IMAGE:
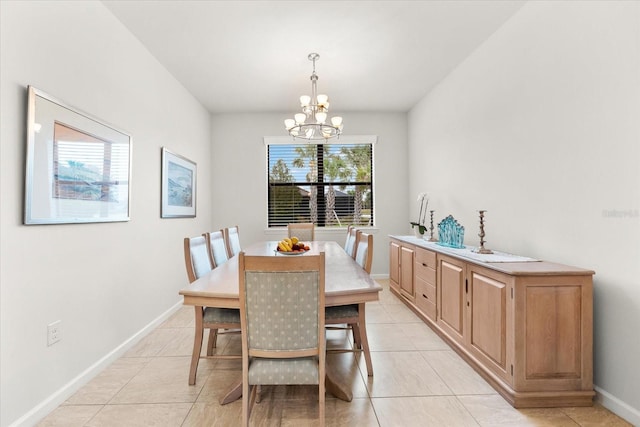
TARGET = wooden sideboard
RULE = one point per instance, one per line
(526, 327)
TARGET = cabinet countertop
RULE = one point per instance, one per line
(529, 268)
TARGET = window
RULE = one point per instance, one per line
(328, 184)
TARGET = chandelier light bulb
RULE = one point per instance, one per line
(322, 99)
(300, 118)
(321, 117)
(289, 123)
(305, 100)
(336, 121)
(309, 133)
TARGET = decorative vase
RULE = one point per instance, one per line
(417, 232)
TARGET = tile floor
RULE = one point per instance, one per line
(418, 381)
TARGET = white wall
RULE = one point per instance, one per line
(540, 126)
(239, 175)
(106, 282)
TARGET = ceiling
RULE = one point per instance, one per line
(251, 56)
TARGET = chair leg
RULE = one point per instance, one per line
(321, 390)
(362, 327)
(245, 404)
(356, 335)
(258, 393)
(197, 345)
(213, 341)
(248, 398)
(355, 331)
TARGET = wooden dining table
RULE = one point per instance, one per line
(346, 282)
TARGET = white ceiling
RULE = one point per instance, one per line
(251, 56)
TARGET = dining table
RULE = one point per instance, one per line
(346, 282)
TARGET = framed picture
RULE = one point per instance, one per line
(178, 186)
(78, 168)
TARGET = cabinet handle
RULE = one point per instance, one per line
(424, 265)
(425, 296)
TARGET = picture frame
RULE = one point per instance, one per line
(178, 186)
(78, 167)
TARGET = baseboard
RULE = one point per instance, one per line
(41, 410)
(617, 406)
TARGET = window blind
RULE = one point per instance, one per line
(327, 184)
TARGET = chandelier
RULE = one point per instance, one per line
(312, 124)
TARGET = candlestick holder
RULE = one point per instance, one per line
(482, 249)
(431, 237)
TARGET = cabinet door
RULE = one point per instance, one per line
(554, 336)
(489, 311)
(451, 296)
(406, 273)
(394, 264)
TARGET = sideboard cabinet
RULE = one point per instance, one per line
(526, 327)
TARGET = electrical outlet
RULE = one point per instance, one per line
(54, 332)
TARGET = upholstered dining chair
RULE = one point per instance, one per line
(353, 315)
(304, 231)
(284, 344)
(217, 247)
(198, 263)
(232, 237)
(350, 242)
(352, 238)
(364, 251)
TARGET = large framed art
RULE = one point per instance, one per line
(178, 186)
(78, 168)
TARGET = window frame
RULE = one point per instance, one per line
(343, 140)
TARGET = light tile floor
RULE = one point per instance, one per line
(418, 381)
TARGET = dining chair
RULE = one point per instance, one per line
(350, 242)
(198, 263)
(232, 237)
(353, 315)
(284, 344)
(217, 247)
(304, 231)
(364, 251)
(352, 238)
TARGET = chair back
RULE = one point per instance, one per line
(293, 290)
(217, 247)
(346, 242)
(364, 251)
(232, 237)
(304, 231)
(196, 257)
(350, 244)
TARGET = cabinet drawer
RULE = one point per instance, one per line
(427, 274)
(426, 258)
(427, 289)
(426, 298)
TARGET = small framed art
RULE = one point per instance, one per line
(178, 186)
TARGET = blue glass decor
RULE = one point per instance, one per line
(450, 233)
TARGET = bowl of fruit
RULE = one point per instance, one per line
(291, 246)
